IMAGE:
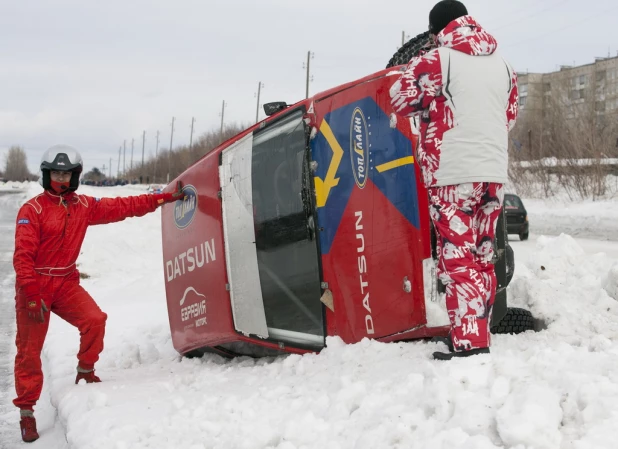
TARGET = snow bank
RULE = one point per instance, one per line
(554, 389)
(14, 185)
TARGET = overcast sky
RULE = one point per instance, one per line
(92, 74)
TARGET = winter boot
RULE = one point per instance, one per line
(87, 375)
(450, 355)
(446, 340)
(27, 425)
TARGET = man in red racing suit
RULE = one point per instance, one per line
(49, 233)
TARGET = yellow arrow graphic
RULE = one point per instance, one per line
(323, 187)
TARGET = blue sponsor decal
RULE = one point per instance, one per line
(185, 210)
(359, 147)
(387, 145)
(23, 221)
(97, 199)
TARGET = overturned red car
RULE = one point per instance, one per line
(312, 223)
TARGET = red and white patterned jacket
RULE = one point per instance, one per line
(466, 96)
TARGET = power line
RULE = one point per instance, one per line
(578, 22)
(532, 14)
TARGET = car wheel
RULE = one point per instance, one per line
(523, 236)
(411, 49)
(515, 321)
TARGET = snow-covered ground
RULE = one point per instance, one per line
(554, 389)
(590, 219)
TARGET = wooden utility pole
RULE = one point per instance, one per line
(119, 154)
(191, 135)
(309, 56)
(131, 166)
(143, 148)
(124, 158)
(154, 175)
(169, 154)
(110, 167)
(403, 38)
(257, 109)
(222, 116)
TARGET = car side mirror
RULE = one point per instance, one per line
(274, 107)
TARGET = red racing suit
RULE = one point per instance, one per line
(49, 233)
(465, 95)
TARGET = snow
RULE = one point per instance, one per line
(598, 219)
(557, 388)
(13, 186)
(554, 162)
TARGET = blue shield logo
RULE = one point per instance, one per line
(185, 210)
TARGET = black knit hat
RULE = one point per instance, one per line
(444, 13)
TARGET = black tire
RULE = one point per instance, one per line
(411, 49)
(523, 236)
(510, 262)
(515, 321)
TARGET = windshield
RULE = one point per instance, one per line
(512, 202)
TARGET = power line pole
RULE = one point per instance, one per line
(143, 147)
(257, 109)
(169, 154)
(110, 167)
(124, 158)
(222, 116)
(403, 38)
(119, 153)
(191, 135)
(309, 77)
(154, 175)
(131, 166)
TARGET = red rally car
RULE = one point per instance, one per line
(312, 223)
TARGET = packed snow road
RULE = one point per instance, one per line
(554, 389)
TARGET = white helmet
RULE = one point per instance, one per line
(61, 158)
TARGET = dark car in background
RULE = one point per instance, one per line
(516, 216)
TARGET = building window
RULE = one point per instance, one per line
(522, 102)
(546, 88)
(582, 80)
(599, 106)
(600, 75)
(577, 94)
(523, 89)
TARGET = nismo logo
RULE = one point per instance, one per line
(184, 210)
(359, 147)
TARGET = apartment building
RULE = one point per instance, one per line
(596, 82)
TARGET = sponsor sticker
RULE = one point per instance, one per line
(184, 210)
(196, 307)
(23, 221)
(359, 147)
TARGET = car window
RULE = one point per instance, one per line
(512, 202)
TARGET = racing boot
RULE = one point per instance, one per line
(446, 340)
(27, 424)
(87, 375)
(450, 355)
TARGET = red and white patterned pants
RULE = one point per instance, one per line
(464, 217)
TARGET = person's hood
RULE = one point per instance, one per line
(467, 36)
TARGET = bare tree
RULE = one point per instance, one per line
(182, 157)
(16, 165)
(566, 143)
